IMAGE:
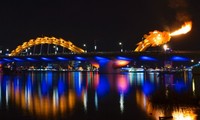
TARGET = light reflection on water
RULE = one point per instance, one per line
(70, 94)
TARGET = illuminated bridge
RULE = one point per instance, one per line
(52, 51)
(110, 61)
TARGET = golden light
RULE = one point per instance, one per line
(46, 40)
(95, 64)
(120, 63)
(157, 38)
(145, 104)
(184, 115)
(183, 30)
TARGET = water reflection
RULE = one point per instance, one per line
(173, 100)
(52, 94)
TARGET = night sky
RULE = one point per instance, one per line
(103, 21)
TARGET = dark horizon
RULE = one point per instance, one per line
(106, 22)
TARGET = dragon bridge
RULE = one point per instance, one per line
(46, 40)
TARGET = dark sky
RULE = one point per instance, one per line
(107, 22)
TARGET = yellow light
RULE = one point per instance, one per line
(120, 63)
(157, 38)
(184, 115)
(46, 40)
(165, 47)
(183, 30)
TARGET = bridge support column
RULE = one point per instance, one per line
(108, 67)
(111, 66)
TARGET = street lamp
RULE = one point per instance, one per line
(26, 51)
(85, 46)
(165, 47)
(121, 45)
(56, 49)
(7, 52)
(95, 45)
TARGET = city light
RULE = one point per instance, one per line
(46, 40)
(85, 47)
(165, 47)
(121, 45)
(7, 52)
(95, 45)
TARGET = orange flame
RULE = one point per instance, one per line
(157, 38)
(183, 30)
(153, 39)
(184, 114)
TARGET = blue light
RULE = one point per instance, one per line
(50, 78)
(61, 87)
(147, 58)
(46, 59)
(123, 58)
(7, 59)
(78, 84)
(17, 84)
(179, 58)
(62, 58)
(29, 83)
(5, 81)
(46, 83)
(44, 88)
(180, 87)
(18, 59)
(31, 59)
(103, 86)
(80, 58)
(148, 88)
(101, 58)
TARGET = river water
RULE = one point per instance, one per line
(94, 96)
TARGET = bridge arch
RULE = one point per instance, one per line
(46, 40)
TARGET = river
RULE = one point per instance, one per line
(94, 96)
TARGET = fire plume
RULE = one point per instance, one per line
(183, 30)
(157, 38)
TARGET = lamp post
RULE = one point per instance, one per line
(26, 51)
(95, 45)
(165, 47)
(7, 52)
(1, 51)
(121, 45)
(85, 48)
(29, 50)
(56, 49)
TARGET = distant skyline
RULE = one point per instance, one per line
(106, 22)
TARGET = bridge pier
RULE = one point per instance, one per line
(111, 65)
(108, 67)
